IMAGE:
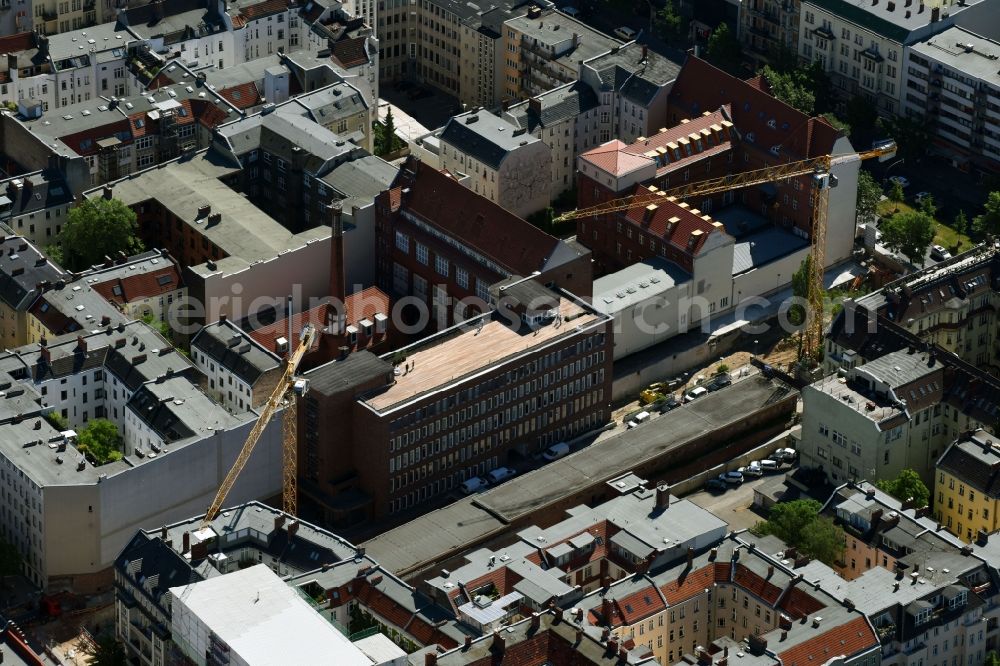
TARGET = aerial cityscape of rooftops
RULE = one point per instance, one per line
(519, 332)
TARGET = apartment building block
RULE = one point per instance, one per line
(24, 271)
(69, 307)
(70, 518)
(241, 373)
(450, 261)
(38, 205)
(502, 162)
(146, 285)
(543, 50)
(565, 119)
(334, 577)
(862, 46)
(768, 28)
(965, 494)
(951, 82)
(894, 412)
(462, 400)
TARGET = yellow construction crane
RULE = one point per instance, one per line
(287, 391)
(817, 167)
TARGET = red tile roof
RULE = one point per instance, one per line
(350, 52)
(798, 603)
(262, 9)
(612, 158)
(85, 142)
(701, 87)
(845, 639)
(22, 41)
(692, 584)
(207, 113)
(141, 285)
(639, 605)
(364, 304)
(243, 96)
(470, 218)
(753, 583)
(688, 232)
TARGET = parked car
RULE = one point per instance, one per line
(499, 475)
(903, 181)
(695, 393)
(625, 33)
(473, 485)
(734, 478)
(669, 403)
(556, 451)
(638, 420)
(571, 11)
(753, 469)
(768, 465)
(919, 199)
(938, 253)
(715, 485)
(785, 455)
(720, 381)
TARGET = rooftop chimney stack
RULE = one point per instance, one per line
(107, 192)
(662, 496)
(338, 286)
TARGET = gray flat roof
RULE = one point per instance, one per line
(636, 283)
(485, 136)
(895, 20)
(556, 26)
(763, 247)
(946, 48)
(452, 529)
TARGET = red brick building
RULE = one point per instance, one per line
(436, 238)
(377, 438)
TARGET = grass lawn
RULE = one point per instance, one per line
(944, 235)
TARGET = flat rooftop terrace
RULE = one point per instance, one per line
(463, 350)
(472, 520)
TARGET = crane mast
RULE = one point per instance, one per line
(285, 392)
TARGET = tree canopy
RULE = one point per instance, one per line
(98, 228)
(908, 484)
(669, 24)
(800, 288)
(107, 651)
(988, 224)
(724, 50)
(909, 232)
(101, 441)
(792, 87)
(799, 524)
(869, 194)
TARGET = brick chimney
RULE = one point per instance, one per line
(662, 496)
(338, 283)
(499, 644)
(430, 659)
(107, 192)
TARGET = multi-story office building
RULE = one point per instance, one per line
(966, 490)
(769, 27)
(455, 408)
(502, 162)
(425, 251)
(951, 81)
(543, 50)
(862, 45)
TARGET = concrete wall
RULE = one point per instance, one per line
(842, 211)
(766, 278)
(649, 322)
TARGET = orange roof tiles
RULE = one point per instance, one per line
(845, 639)
(350, 52)
(612, 158)
(672, 221)
(797, 603)
(692, 584)
(242, 96)
(639, 605)
(21, 41)
(142, 285)
(755, 584)
(262, 9)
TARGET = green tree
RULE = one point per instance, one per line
(724, 50)
(908, 484)
(896, 192)
(988, 224)
(927, 205)
(786, 520)
(792, 87)
(107, 652)
(384, 135)
(837, 123)
(10, 560)
(57, 421)
(911, 136)
(800, 289)
(823, 540)
(98, 228)
(961, 225)
(992, 659)
(669, 23)
(869, 194)
(101, 441)
(909, 232)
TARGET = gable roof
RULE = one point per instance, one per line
(473, 219)
(243, 96)
(846, 639)
(350, 52)
(233, 349)
(484, 136)
(701, 87)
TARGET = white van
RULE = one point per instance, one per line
(769, 465)
(695, 393)
(500, 474)
(556, 451)
(625, 33)
(473, 485)
(638, 420)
